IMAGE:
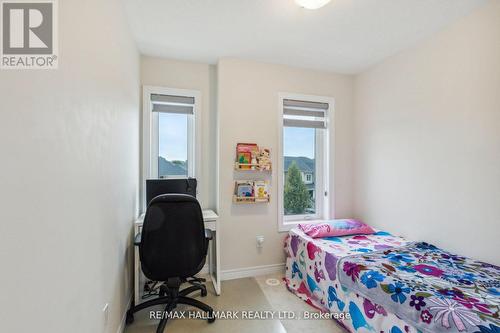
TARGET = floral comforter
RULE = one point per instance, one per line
(430, 289)
(312, 275)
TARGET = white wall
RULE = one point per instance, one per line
(234, 83)
(69, 176)
(195, 76)
(248, 112)
(427, 129)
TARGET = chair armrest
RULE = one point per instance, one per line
(208, 234)
(137, 239)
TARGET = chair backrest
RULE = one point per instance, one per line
(156, 187)
(173, 242)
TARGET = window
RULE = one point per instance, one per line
(303, 167)
(173, 145)
(173, 119)
(169, 132)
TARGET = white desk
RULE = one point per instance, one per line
(210, 219)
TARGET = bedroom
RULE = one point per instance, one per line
(384, 112)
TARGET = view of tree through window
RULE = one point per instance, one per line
(172, 145)
(299, 170)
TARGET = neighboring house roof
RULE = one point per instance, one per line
(168, 168)
(305, 164)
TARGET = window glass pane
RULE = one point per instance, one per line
(299, 149)
(172, 145)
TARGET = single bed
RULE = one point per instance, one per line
(311, 273)
(342, 275)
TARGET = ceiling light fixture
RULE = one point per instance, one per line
(312, 4)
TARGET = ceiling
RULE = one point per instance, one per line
(346, 36)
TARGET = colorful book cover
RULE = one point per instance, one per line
(244, 189)
(244, 153)
(261, 190)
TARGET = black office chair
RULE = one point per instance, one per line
(173, 246)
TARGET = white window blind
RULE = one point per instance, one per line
(304, 114)
(172, 104)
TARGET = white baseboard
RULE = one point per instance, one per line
(121, 328)
(239, 273)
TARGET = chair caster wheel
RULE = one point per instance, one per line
(211, 316)
(130, 318)
(204, 292)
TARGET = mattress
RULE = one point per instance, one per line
(388, 284)
(311, 273)
(432, 289)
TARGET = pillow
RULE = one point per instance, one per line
(333, 228)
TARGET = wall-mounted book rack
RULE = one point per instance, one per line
(249, 157)
(251, 191)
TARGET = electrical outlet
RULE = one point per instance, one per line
(105, 313)
(260, 241)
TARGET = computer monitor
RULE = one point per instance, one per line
(156, 187)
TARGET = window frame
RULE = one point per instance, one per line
(150, 137)
(323, 170)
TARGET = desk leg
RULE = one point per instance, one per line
(137, 272)
(211, 259)
(215, 263)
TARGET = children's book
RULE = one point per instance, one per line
(261, 190)
(244, 189)
(244, 152)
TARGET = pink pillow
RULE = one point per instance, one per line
(333, 228)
